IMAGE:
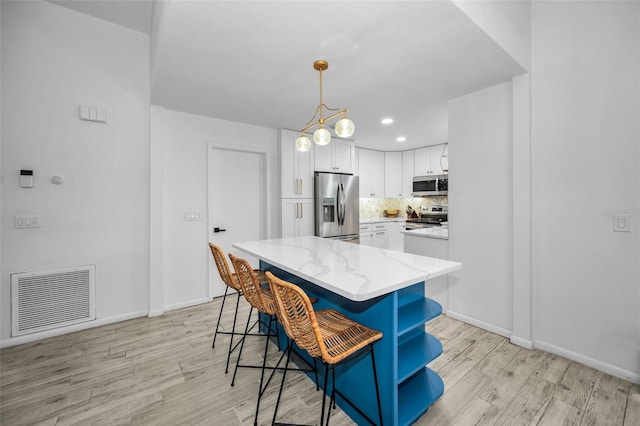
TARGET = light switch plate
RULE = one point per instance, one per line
(621, 222)
(91, 113)
(28, 221)
(193, 216)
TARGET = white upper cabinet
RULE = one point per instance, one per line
(422, 161)
(337, 157)
(371, 171)
(445, 158)
(297, 167)
(428, 160)
(437, 160)
(392, 174)
(407, 173)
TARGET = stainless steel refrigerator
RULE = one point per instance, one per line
(337, 206)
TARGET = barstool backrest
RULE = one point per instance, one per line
(296, 314)
(257, 297)
(223, 267)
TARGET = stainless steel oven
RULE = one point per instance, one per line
(430, 217)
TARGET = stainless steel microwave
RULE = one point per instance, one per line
(424, 186)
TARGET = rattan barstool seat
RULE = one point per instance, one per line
(342, 336)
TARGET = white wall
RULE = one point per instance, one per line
(480, 208)
(54, 59)
(586, 113)
(185, 254)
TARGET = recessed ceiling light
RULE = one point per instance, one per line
(387, 120)
(401, 139)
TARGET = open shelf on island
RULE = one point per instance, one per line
(417, 394)
(415, 353)
(416, 313)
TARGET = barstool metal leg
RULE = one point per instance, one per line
(324, 393)
(332, 400)
(243, 338)
(233, 332)
(215, 335)
(264, 363)
(284, 375)
(375, 379)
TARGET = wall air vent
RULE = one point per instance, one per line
(52, 299)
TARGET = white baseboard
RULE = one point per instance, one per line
(518, 341)
(589, 362)
(186, 304)
(483, 325)
(97, 323)
(70, 329)
(547, 347)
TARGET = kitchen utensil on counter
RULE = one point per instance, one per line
(411, 213)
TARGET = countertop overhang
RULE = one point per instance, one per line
(353, 271)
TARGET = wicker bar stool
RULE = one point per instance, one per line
(260, 298)
(231, 281)
(326, 335)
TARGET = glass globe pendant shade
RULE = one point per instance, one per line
(321, 136)
(345, 127)
(303, 143)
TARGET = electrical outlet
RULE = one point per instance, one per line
(621, 222)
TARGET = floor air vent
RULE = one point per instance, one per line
(52, 299)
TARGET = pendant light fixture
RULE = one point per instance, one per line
(321, 136)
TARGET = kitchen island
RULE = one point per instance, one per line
(381, 289)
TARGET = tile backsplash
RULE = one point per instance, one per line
(372, 208)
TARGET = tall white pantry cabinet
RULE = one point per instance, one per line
(297, 187)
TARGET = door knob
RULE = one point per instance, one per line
(216, 230)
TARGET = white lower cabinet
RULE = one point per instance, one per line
(387, 235)
(380, 235)
(395, 236)
(297, 217)
(366, 237)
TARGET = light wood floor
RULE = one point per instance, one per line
(163, 371)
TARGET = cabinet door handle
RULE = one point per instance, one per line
(295, 190)
(301, 211)
(300, 187)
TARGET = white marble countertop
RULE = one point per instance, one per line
(383, 219)
(436, 232)
(351, 270)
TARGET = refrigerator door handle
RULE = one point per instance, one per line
(342, 204)
(339, 206)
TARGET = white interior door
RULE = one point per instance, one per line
(237, 203)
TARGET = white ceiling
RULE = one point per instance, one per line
(252, 62)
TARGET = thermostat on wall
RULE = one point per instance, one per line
(26, 178)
